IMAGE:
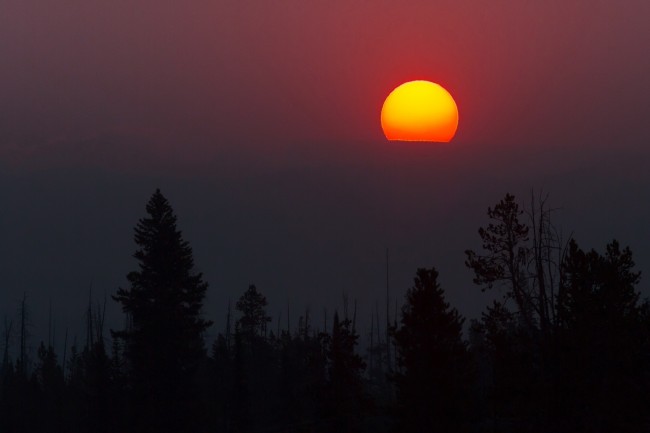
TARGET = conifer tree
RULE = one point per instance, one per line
(346, 394)
(256, 359)
(602, 377)
(48, 379)
(435, 371)
(504, 241)
(164, 343)
(253, 320)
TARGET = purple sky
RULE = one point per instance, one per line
(260, 122)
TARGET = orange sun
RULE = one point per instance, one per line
(419, 111)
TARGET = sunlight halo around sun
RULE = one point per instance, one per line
(419, 111)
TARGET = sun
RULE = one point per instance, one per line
(419, 111)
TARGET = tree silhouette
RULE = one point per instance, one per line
(566, 350)
(221, 383)
(302, 377)
(507, 256)
(164, 343)
(602, 357)
(522, 252)
(510, 362)
(253, 320)
(48, 377)
(255, 359)
(434, 383)
(346, 394)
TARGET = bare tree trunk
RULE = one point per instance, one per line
(388, 357)
(89, 319)
(7, 337)
(23, 335)
(380, 360)
(228, 328)
(65, 351)
(539, 223)
(288, 320)
(372, 340)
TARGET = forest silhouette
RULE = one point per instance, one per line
(564, 348)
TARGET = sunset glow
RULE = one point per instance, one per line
(419, 111)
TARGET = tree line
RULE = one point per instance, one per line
(566, 347)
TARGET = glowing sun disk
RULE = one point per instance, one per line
(419, 111)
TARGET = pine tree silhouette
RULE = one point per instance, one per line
(506, 255)
(434, 383)
(256, 358)
(346, 394)
(164, 344)
(253, 320)
(602, 360)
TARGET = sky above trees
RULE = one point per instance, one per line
(260, 123)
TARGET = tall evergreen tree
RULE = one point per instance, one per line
(164, 343)
(435, 370)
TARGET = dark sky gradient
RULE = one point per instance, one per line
(260, 122)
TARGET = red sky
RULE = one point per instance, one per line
(260, 121)
(199, 80)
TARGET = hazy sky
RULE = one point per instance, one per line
(259, 121)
